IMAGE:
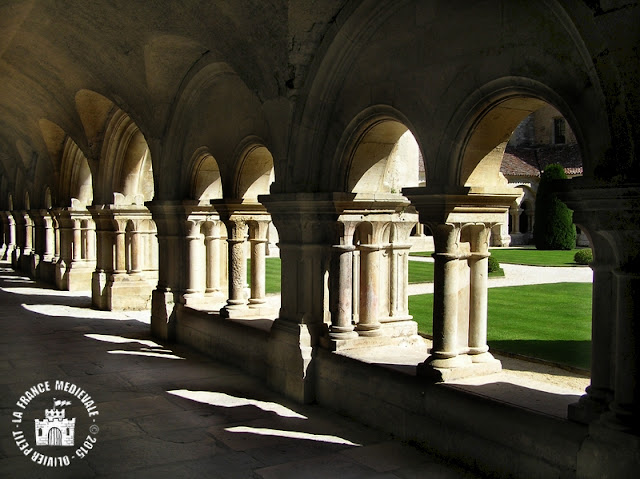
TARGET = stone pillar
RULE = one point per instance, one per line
(28, 234)
(625, 408)
(10, 236)
(136, 251)
(120, 249)
(165, 299)
(341, 293)
(445, 352)
(212, 253)
(369, 317)
(76, 246)
(306, 228)
(90, 242)
(237, 232)
(49, 237)
(479, 269)
(258, 240)
(460, 221)
(600, 391)
(515, 220)
(195, 283)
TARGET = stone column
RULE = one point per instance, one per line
(76, 246)
(600, 391)
(515, 221)
(169, 219)
(28, 234)
(625, 408)
(341, 293)
(212, 252)
(258, 242)
(399, 267)
(49, 237)
(479, 269)
(10, 236)
(445, 298)
(237, 231)
(90, 242)
(194, 258)
(136, 251)
(369, 318)
(120, 249)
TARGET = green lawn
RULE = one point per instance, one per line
(422, 272)
(547, 321)
(534, 257)
(272, 274)
(526, 255)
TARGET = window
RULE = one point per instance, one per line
(559, 129)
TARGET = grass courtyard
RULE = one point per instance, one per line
(527, 255)
(548, 321)
(545, 321)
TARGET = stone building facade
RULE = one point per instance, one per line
(146, 149)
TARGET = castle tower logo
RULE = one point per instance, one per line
(55, 429)
(67, 432)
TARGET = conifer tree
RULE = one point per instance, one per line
(553, 227)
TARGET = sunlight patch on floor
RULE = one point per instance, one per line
(225, 400)
(109, 338)
(291, 434)
(152, 354)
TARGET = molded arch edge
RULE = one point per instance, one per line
(340, 46)
(364, 123)
(254, 162)
(463, 149)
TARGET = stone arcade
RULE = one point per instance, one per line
(147, 151)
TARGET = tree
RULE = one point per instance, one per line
(553, 227)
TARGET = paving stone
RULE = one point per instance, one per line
(147, 432)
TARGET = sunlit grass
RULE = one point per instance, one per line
(545, 321)
(534, 257)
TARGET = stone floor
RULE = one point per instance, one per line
(170, 412)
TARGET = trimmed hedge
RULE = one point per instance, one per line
(584, 256)
(494, 265)
(553, 228)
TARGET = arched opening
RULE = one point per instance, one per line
(369, 268)
(126, 232)
(507, 149)
(136, 175)
(207, 183)
(386, 160)
(206, 236)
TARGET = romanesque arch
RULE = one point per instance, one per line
(127, 267)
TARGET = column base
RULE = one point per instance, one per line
(587, 409)
(608, 452)
(458, 367)
(336, 333)
(124, 292)
(485, 357)
(290, 360)
(163, 315)
(74, 276)
(244, 310)
(369, 331)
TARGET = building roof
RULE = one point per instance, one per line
(531, 161)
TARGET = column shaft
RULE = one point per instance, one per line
(369, 324)
(341, 281)
(258, 270)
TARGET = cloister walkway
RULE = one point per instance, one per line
(166, 411)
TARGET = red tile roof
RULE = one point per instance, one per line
(519, 161)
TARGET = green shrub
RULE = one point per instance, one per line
(553, 228)
(493, 265)
(584, 256)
